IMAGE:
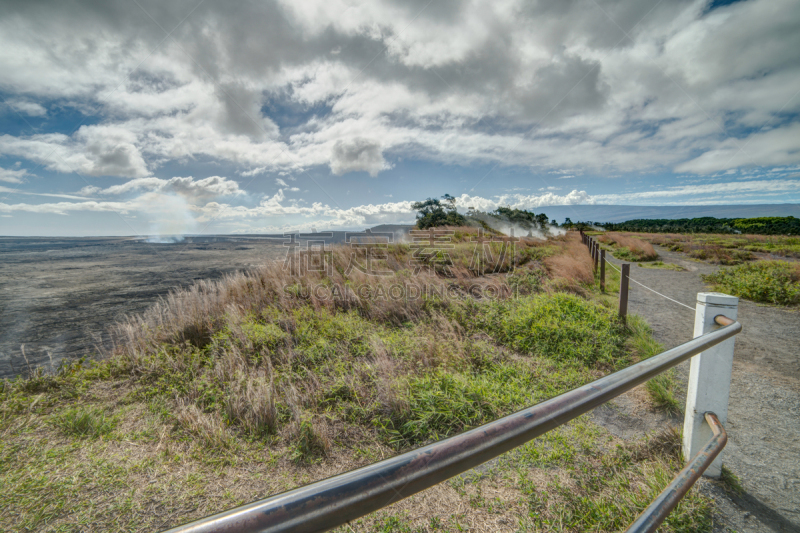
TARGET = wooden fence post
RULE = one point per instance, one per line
(596, 254)
(602, 271)
(709, 377)
(623, 291)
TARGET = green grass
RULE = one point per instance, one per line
(608, 494)
(774, 282)
(43, 482)
(730, 481)
(661, 389)
(443, 403)
(84, 422)
(663, 265)
(591, 487)
(575, 478)
(562, 327)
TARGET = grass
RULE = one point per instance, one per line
(725, 249)
(730, 481)
(628, 248)
(661, 389)
(84, 422)
(773, 282)
(663, 265)
(236, 389)
(575, 478)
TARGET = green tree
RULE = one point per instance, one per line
(433, 212)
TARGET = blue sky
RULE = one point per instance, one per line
(138, 118)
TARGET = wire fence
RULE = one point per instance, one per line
(594, 248)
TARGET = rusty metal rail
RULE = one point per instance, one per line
(658, 511)
(335, 501)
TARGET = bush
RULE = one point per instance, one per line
(775, 282)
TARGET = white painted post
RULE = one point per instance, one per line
(709, 377)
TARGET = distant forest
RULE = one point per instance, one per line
(758, 226)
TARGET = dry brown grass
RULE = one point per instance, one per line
(574, 263)
(727, 249)
(629, 248)
(192, 315)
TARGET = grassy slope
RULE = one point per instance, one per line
(239, 389)
(663, 265)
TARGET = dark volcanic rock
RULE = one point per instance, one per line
(59, 295)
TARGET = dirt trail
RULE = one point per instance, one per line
(764, 411)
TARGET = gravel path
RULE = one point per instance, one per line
(764, 411)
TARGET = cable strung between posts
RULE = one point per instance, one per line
(667, 297)
(609, 263)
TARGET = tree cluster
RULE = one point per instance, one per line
(757, 226)
(434, 212)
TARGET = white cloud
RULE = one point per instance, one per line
(777, 146)
(47, 194)
(91, 151)
(733, 191)
(189, 188)
(90, 190)
(275, 207)
(280, 87)
(13, 176)
(357, 154)
(26, 107)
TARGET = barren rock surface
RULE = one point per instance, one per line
(57, 295)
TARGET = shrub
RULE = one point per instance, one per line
(775, 282)
(720, 255)
(526, 282)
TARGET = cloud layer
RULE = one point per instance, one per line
(278, 89)
(589, 84)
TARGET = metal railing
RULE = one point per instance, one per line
(658, 511)
(338, 500)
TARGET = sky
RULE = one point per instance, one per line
(141, 117)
